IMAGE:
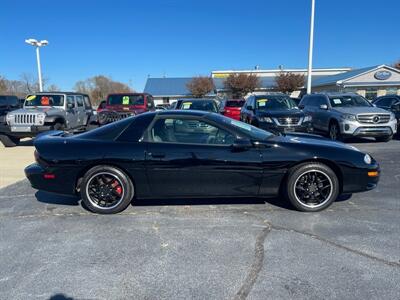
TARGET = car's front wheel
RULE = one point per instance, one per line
(106, 190)
(334, 132)
(312, 187)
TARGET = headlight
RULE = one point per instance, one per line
(392, 116)
(348, 117)
(367, 159)
(266, 119)
(9, 117)
(41, 117)
(307, 118)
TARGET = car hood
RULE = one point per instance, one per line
(281, 113)
(360, 110)
(311, 139)
(47, 110)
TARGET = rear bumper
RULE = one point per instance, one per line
(62, 183)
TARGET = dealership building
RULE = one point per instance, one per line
(369, 82)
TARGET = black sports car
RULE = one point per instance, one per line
(196, 154)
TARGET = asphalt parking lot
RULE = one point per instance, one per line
(204, 249)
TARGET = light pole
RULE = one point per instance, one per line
(38, 44)
(310, 48)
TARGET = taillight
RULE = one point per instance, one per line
(49, 176)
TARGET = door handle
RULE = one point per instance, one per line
(157, 154)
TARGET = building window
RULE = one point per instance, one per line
(165, 100)
(391, 91)
(371, 93)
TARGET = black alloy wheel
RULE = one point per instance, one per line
(312, 187)
(334, 132)
(106, 190)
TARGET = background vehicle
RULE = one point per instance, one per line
(390, 103)
(48, 111)
(7, 104)
(275, 112)
(196, 104)
(342, 115)
(123, 105)
(102, 106)
(163, 106)
(196, 154)
(231, 108)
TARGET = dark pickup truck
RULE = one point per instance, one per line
(123, 105)
(7, 104)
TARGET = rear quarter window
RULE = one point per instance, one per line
(135, 130)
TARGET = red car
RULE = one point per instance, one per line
(231, 108)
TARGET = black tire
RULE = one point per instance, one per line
(9, 141)
(296, 185)
(103, 117)
(334, 132)
(59, 126)
(99, 205)
(384, 139)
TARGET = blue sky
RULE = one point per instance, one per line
(129, 40)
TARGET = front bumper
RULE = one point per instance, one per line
(33, 131)
(354, 128)
(305, 127)
(357, 179)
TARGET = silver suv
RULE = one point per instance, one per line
(342, 115)
(47, 111)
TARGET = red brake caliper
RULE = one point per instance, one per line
(117, 187)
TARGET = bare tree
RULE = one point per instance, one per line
(3, 85)
(200, 86)
(288, 82)
(397, 65)
(240, 84)
(98, 87)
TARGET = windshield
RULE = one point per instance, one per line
(200, 105)
(125, 100)
(349, 101)
(44, 100)
(249, 130)
(275, 103)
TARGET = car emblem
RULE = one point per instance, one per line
(376, 119)
(288, 120)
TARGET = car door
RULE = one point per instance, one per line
(71, 112)
(308, 105)
(385, 102)
(80, 107)
(322, 115)
(188, 156)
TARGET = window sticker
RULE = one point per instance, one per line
(262, 102)
(186, 105)
(337, 101)
(30, 98)
(125, 100)
(45, 101)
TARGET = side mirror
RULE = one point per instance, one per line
(249, 107)
(301, 106)
(323, 106)
(242, 144)
(70, 105)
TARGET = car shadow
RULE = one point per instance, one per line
(277, 202)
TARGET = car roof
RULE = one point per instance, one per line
(58, 93)
(180, 112)
(335, 94)
(128, 94)
(197, 99)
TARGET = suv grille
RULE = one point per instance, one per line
(119, 116)
(26, 119)
(373, 118)
(288, 121)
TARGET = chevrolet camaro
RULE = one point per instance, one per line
(175, 154)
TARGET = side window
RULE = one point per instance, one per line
(189, 131)
(305, 101)
(79, 100)
(319, 100)
(150, 101)
(88, 105)
(71, 101)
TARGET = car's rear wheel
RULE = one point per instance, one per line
(59, 126)
(9, 141)
(384, 138)
(106, 190)
(312, 187)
